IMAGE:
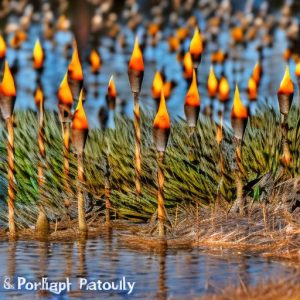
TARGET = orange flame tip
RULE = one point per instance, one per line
(173, 43)
(75, 68)
(188, 65)
(238, 110)
(64, 92)
(167, 89)
(286, 86)
(8, 85)
(157, 85)
(224, 89)
(136, 61)
(192, 97)
(111, 89)
(38, 55)
(39, 96)
(196, 45)
(95, 61)
(297, 71)
(252, 89)
(162, 118)
(256, 74)
(80, 121)
(212, 83)
(2, 47)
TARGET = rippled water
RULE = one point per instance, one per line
(157, 274)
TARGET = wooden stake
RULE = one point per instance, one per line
(161, 211)
(107, 191)
(42, 224)
(66, 151)
(238, 178)
(82, 225)
(138, 156)
(10, 177)
(286, 157)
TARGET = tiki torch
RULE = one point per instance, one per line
(191, 110)
(161, 132)
(157, 86)
(239, 118)
(111, 103)
(7, 102)
(42, 225)
(285, 97)
(95, 63)
(79, 136)
(65, 102)
(257, 73)
(75, 73)
(196, 48)
(136, 74)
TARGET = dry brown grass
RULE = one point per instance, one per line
(287, 289)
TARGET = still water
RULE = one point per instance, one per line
(148, 274)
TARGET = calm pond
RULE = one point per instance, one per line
(106, 262)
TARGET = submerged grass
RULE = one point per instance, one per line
(191, 168)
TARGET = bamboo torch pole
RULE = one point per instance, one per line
(79, 136)
(7, 102)
(111, 103)
(192, 110)
(65, 102)
(42, 225)
(136, 74)
(285, 96)
(161, 132)
(239, 119)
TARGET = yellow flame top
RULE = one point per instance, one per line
(95, 61)
(238, 109)
(188, 65)
(297, 71)
(64, 92)
(75, 69)
(196, 45)
(136, 61)
(39, 96)
(192, 97)
(162, 118)
(256, 74)
(79, 118)
(157, 85)
(212, 83)
(286, 86)
(38, 55)
(111, 89)
(8, 85)
(224, 89)
(2, 47)
(252, 89)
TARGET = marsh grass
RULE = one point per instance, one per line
(191, 169)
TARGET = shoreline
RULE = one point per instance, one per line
(236, 234)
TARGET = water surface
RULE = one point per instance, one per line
(157, 274)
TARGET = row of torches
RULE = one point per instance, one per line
(75, 124)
